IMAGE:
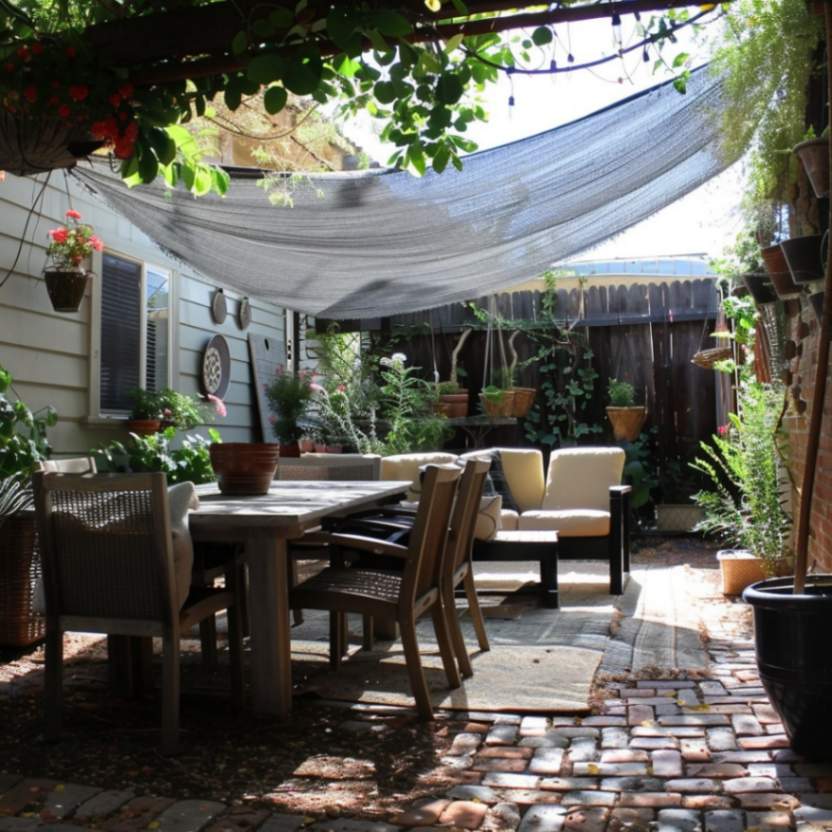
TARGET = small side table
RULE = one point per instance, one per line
(476, 428)
(522, 545)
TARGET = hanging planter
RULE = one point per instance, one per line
(803, 258)
(70, 246)
(760, 287)
(67, 288)
(778, 272)
(814, 156)
(523, 401)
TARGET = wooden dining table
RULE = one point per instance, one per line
(264, 525)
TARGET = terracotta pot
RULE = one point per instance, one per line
(453, 405)
(66, 288)
(307, 446)
(290, 450)
(627, 422)
(244, 467)
(144, 427)
(778, 272)
(814, 155)
(803, 258)
(523, 401)
(739, 569)
(760, 287)
(498, 409)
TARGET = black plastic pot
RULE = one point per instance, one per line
(66, 288)
(792, 637)
(804, 258)
(760, 287)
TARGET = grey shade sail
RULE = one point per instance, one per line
(374, 243)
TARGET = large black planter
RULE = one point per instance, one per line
(794, 658)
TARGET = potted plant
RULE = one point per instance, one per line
(146, 415)
(523, 396)
(23, 444)
(626, 417)
(803, 258)
(745, 504)
(814, 156)
(497, 402)
(452, 396)
(289, 395)
(69, 248)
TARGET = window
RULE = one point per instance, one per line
(135, 331)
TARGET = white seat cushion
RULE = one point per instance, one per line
(509, 520)
(572, 522)
(182, 498)
(407, 467)
(488, 519)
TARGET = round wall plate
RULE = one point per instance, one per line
(219, 308)
(216, 367)
(244, 313)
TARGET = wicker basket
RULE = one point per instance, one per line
(708, 358)
(739, 570)
(20, 572)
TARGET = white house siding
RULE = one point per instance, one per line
(49, 353)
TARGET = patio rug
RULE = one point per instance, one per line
(541, 660)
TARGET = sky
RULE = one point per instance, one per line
(706, 221)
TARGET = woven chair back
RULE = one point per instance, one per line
(106, 545)
(430, 530)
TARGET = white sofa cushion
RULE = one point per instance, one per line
(509, 520)
(580, 478)
(573, 522)
(488, 518)
(406, 467)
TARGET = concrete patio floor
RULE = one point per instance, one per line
(681, 737)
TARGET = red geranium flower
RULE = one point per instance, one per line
(115, 99)
(96, 243)
(78, 92)
(72, 214)
(64, 111)
(30, 93)
(23, 53)
(37, 48)
(126, 90)
(59, 235)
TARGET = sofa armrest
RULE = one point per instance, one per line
(620, 489)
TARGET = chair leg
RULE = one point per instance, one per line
(368, 634)
(120, 666)
(461, 651)
(170, 693)
(337, 638)
(235, 638)
(53, 700)
(446, 647)
(414, 667)
(475, 612)
(297, 613)
(141, 648)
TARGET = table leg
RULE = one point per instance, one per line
(549, 577)
(271, 671)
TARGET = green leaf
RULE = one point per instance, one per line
(542, 35)
(303, 76)
(148, 165)
(233, 96)
(441, 158)
(449, 89)
(680, 85)
(266, 68)
(163, 145)
(391, 23)
(454, 43)
(275, 99)
(239, 44)
(385, 92)
(342, 28)
(281, 18)
(5, 379)
(680, 60)
(378, 41)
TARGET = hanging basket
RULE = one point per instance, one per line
(707, 359)
(34, 145)
(66, 288)
(814, 155)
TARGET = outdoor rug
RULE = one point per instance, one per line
(541, 660)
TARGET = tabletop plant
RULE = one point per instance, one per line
(746, 504)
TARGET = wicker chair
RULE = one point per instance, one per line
(395, 524)
(405, 595)
(108, 562)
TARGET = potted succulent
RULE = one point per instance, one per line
(626, 417)
(745, 504)
(146, 415)
(23, 445)
(69, 248)
(289, 395)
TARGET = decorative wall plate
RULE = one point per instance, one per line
(219, 308)
(244, 314)
(216, 367)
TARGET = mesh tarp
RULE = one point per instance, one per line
(374, 243)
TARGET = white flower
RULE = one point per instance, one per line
(398, 359)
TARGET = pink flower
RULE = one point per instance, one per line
(317, 388)
(97, 243)
(219, 405)
(72, 214)
(722, 430)
(341, 388)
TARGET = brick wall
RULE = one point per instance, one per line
(796, 426)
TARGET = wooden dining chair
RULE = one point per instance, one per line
(405, 595)
(109, 567)
(395, 525)
(70, 465)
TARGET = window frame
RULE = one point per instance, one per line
(95, 415)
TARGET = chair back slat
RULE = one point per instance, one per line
(430, 530)
(106, 545)
(464, 516)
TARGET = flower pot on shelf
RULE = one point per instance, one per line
(290, 450)
(144, 427)
(244, 468)
(66, 288)
(498, 407)
(794, 659)
(739, 569)
(453, 405)
(760, 287)
(803, 258)
(523, 401)
(778, 272)
(627, 422)
(814, 156)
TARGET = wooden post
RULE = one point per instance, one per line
(821, 373)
